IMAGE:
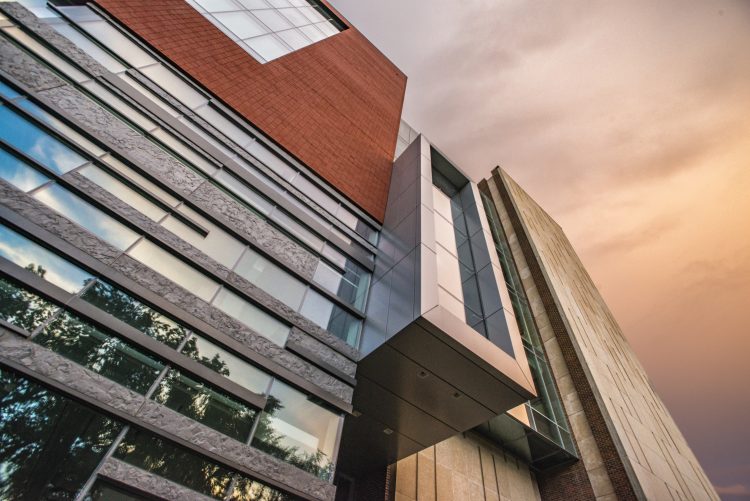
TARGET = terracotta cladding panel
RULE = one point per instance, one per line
(335, 104)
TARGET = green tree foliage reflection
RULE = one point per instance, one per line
(49, 445)
(268, 440)
(134, 313)
(100, 352)
(151, 453)
(22, 308)
(205, 405)
(214, 363)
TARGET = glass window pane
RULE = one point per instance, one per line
(298, 230)
(312, 14)
(174, 269)
(241, 24)
(123, 192)
(156, 455)
(331, 317)
(223, 125)
(103, 491)
(118, 43)
(185, 151)
(297, 18)
(225, 363)
(68, 132)
(205, 405)
(350, 286)
(89, 47)
(271, 278)
(7, 91)
(244, 192)
(294, 38)
(134, 313)
(218, 244)
(253, 4)
(267, 46)
(140, 180)
(272, 19)
(34, 142)
(246, 489)
(22, 308)
(217, 5)
(312, 33)
(327, 28)
(50, 444)
(100, 352)
(271, 160)
(252, 316)
(297, 430)
(27, 254)
(173, 84)
(86, 215)
(18, 173)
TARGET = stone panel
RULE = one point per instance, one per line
(206, 438)
(123, 473)
(464, 468)
(41, 215)
(178, 296)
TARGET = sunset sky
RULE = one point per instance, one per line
(629, 122)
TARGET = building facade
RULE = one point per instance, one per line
(228, 270)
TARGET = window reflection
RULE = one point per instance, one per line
(218, 244)
(49, 445)
(104, 491)
(298, 431)
(37, 259)
(100, 352)
(123, 192)
(87, 216)
(252, 316)
(174, 269)
(205, 405)
(156, 455)
(331, 317)
(22, 308)
(272, 279)
(33, 141)
(134, 313)
(228, 365)
(18, 173)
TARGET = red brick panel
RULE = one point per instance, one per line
(335, 105)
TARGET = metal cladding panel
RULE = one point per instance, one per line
(335, 104)
(426, 374)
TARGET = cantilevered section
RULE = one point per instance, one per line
(442, 351)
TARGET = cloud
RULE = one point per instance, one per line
(733, 490)
(626, 242)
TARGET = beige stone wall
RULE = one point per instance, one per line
(579, 426)
(464, 468)
(660, 463)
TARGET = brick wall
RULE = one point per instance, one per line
(335, 105)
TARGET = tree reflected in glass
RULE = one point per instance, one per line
(205, 405)
(134, 313)
(100, 352)
(269, 440)
(151, 453)
(22, 308)
(49, 445)
(246, 489)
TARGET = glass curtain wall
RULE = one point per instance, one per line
(545, 412)
(292, 426)
(51, 447)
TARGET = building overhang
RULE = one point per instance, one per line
(426, 374)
